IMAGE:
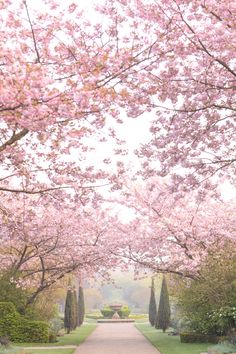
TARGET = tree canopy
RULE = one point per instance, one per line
(67, 83)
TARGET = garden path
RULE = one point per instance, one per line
(116, 338)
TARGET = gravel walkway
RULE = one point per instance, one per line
(116, 338)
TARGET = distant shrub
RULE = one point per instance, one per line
(107, 312)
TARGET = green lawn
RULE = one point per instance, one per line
(17, 350)
(78, 336)
(49, 351)
(74, 338)
(170, 344)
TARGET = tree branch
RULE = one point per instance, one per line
(15, 137)
(33, 34)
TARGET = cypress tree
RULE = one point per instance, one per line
(69, 311)
(75, 309)
(81, 307)
(163, 313)
(152, 305)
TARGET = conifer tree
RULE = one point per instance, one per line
(75, 309)
(152, 305)
(69, 314)
(81, 307)
(163, 313)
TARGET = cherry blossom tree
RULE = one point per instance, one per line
(41, 242)
(190, 86)
(172, 235)
(63, 80)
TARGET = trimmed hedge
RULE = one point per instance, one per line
(108, 312)
(19, 329)
(194, 337)
(9, 320)
(33, 331)
(124, 312)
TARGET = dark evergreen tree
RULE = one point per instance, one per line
(163, 313)
(152, 305)
(75, 309)
(69, 315)
(81, 307)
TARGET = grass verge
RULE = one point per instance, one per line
(49, 351)
(170, 344)
(17, 350)
(76, 337)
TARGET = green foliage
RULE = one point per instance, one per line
(152, 306)
(193, 337)
(32, 331)
(124, 312)
(19, 329)
(203, 300)
(11, 293)
(81, 306)
(43, 308)
(163, 313)
(9, 320)
(224, 319)
(107, 312)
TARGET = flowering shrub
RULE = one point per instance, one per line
(224, 319)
